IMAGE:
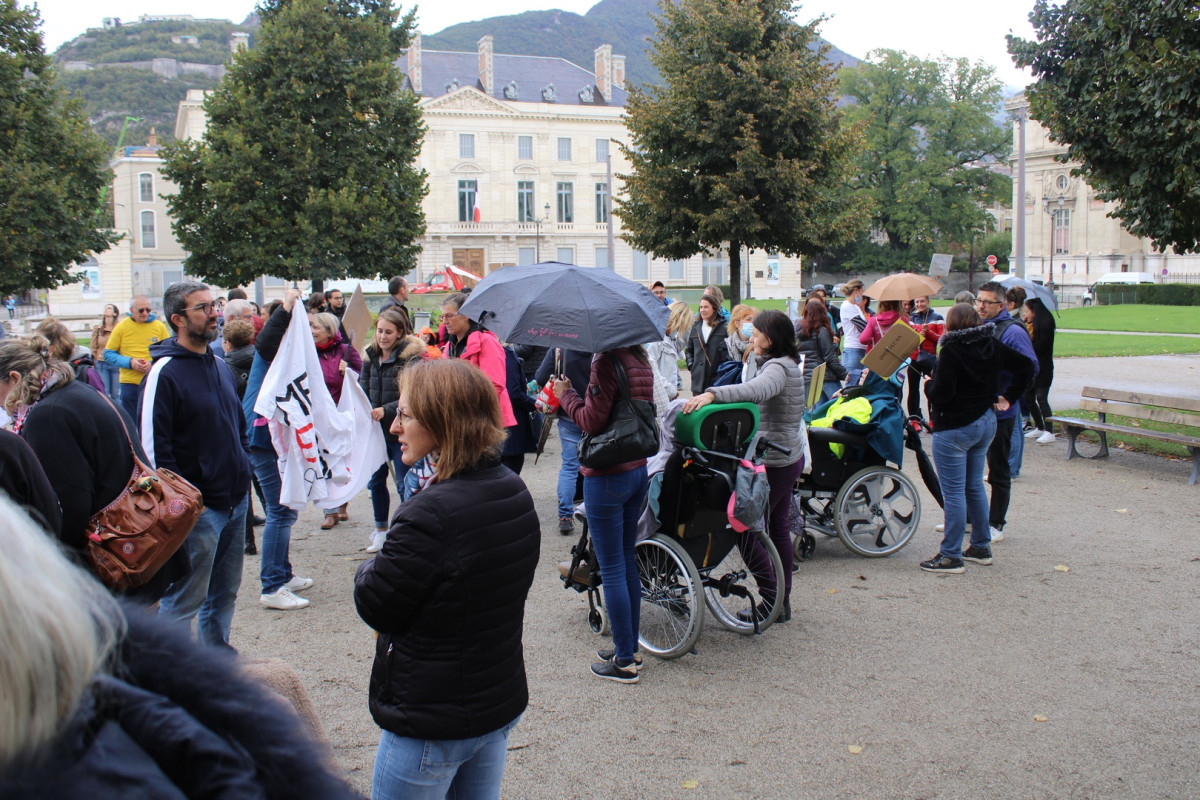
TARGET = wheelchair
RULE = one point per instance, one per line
(857, 496)
(690, 558)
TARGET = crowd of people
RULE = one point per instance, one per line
(455, 537)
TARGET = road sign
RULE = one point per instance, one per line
(992, 261)
(1064, 267)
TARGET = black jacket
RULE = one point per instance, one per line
(521, 437)
(447, 596)
(966, 380)
(704, 370)
(176, 720)
(23, 479)
(378, 378)
(192, 423)
(817, 349)
(240, 361)
(78, 437)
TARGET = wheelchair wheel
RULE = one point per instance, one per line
(733, 588)
(803, 547)
(877, 511)
(597, 616)
(671, 612)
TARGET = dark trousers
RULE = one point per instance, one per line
(130, 394)
(1040, 408)
(922, 367)
(998, 472)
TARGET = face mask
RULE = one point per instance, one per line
(747, 329)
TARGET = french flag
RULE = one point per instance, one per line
(477, 214)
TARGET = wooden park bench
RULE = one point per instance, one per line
(1160, 408)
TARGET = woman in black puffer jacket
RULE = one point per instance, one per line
(387, 355)
(447, 594)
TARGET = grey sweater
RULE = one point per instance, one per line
(778, 388)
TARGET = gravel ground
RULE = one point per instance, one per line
(1067, 669)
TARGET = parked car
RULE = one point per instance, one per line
(1116, 278)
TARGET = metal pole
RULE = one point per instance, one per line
(1019, 200)
(612, 262)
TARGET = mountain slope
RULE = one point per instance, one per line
(625, 24)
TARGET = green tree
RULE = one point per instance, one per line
(52, 167)
(307, 168)
(930, 148)
(1117, 83)
(741, 146)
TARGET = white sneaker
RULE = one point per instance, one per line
(997, 535)
(1033, 433)
(940, 527)
(377, 540)
(1046, 438)
(298, 584)
(282, 600)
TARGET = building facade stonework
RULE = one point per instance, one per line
(1070, 238)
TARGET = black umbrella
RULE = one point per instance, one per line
(912, 440)
(561, 305)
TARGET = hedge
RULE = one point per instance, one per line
(1159, 294)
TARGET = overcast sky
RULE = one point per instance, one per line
(925, 28)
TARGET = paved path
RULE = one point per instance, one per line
(1021, 679)
(1177, 375)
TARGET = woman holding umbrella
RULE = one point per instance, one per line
(613, 498)
(706, 348)
(1041, 329)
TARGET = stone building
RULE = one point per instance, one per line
(1069, 237)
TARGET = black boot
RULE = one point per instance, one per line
(251, 547)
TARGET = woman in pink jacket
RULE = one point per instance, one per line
(468, 341)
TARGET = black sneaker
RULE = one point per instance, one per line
(978, 555)
(609, 653)
(944, 564)
(610, 671)
(566, 526)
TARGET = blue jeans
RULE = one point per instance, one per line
(111, 376)
(852, 360)
(614, 503)
(130, 394)
(416, 769)
(380, 497)
(1016, 455)
(216, 548)
(274, 568)
(959, 455)
(568, 434)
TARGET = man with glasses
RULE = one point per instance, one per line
(192, 424)
(990, 302)
(129, 348)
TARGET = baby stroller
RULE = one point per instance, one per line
(852, 492)
(690, 550)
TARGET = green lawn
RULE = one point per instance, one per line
(1154, 319)
(1072, 345)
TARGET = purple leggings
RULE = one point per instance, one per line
(779, 520)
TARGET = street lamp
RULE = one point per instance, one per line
(537, 251)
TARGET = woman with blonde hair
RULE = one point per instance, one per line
(447, 594)
(97, 706)
(664, 355)
(64, 347)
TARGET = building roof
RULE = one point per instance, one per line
(519, 78)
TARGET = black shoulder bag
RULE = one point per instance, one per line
(632, 432)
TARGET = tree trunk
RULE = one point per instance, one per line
(735, 274)
(318, 285)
